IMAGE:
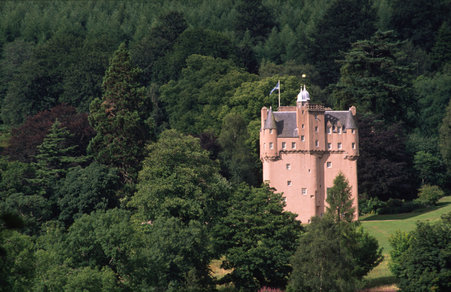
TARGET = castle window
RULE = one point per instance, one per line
(353, 131)
(316, 116)
(316, 128)
(302, 138)
(353, 145)
(302, 126)
(339, 130)
(271, 145)
(343, 129)
(339, 145)
(329, 130)
(270, 131)
(333, 128)
(284, 145)
(289, 183)
(316, 143)
(288, 166)
(293, 145)
(304, 191)
(329, 146)
(329, 164)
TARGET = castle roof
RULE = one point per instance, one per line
(270, 122)
(286, 124)
(345, 118)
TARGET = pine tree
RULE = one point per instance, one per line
(339, 200)
(119, 118)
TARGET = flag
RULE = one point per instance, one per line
(275, 88)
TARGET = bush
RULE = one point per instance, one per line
(429, 195)
(393, 206)
(370, 205)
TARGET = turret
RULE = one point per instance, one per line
(268, 135)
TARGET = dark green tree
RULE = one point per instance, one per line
(441, 52)
(344, 22)
(421, 259)
(254, 17)
(445, 138)
(235, 156)
(339, 200)
(419, 20)
(375, 78)
(119, 118)
(430, 168)
(85, 190)
(257, 238)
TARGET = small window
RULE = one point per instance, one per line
(353, 131)
(329, 164)
(304, 191)
(302, 126)
(316, 143)
(339, 130)
(339, 145)
(288, 166)
(353, 145)
(264, 146)
(316, 116)
(329, 130)
(289, 183)
(271, 145)
(329, 146)
(333, 128)
(270, 131)
(302, 138)
(302, 111)
(293, 145)
(316, 128)
(284, 145)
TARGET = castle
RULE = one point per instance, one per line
(303, 148)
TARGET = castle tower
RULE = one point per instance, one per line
(303, 148)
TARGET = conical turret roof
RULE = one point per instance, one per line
(270, 122)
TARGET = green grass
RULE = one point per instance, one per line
(383, 226)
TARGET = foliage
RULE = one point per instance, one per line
(118, 118)
(85, 190)
(430, 168)
(179, 180)
(445, 137)
(236, 156)
(419, 20)
(254, 17)
(24, 141)
(343, 22)
(340, 201)
(333, 256)
(384, 166)
(441, 52)
(257, 238)
(375, 78)
(195, 103)
(420, 259)
(429, 195)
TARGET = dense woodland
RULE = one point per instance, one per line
(129, 140)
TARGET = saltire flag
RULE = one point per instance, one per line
(275, 88)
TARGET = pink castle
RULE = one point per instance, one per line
(303, 148)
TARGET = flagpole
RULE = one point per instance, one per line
(279, 94)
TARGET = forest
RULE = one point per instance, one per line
(129, 141)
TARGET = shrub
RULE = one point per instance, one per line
(370, 205)
(429, 195)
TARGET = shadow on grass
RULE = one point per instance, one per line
(381, 281)
(406, 215)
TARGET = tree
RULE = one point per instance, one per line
(236, 156)
(85, 190)
(384, 166)
(195, 103)
(375, 79)
(333, 256)
(419, 21)
(421, 259)
(179, 180)
(118, 118)
(441, 52)
(344, 22)
(430, 168)
(339, 200)
(257, 238)
(254, 17)
(25, 139)
(429, 195)
(445, 137)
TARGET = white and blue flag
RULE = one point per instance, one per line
(275, 88)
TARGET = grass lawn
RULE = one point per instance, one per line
(383, 226)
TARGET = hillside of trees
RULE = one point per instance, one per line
(129, 136)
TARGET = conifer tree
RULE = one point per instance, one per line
(118, 118)
(339, 200)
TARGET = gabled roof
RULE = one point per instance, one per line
(286, 124)
(345, 117)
